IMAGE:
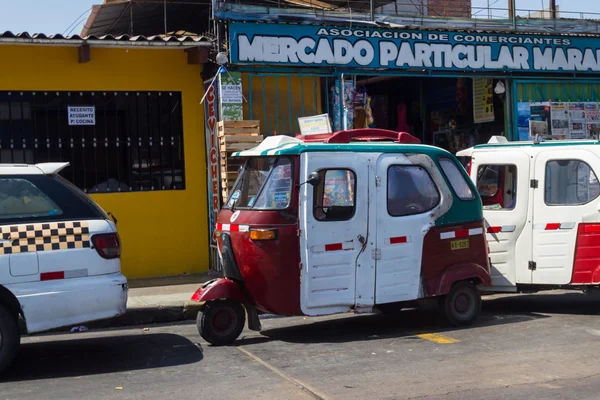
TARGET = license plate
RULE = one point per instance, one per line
(459, 244)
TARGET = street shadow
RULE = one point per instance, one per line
(83, 356)
(574, 303)
(355, 328)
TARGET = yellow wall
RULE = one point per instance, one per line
(164, 232)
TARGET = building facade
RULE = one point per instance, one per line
(126, 114)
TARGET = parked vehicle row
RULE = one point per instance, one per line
(366, 220)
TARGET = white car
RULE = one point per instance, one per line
(59, 256)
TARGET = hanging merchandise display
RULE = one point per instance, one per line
(369, 119)
(343, 114)
(461, 93)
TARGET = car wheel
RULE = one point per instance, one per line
(221, 322)
(463, 304)
(10, 338)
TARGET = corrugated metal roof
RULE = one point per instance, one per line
(185, 37)
(178, 39)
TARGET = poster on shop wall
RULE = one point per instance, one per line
(559, 113)
(577, 120)
(592, 120)
(231, 98)
(483, 100)
(539, 123)
(523, 117)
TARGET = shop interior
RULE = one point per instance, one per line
(439, 111)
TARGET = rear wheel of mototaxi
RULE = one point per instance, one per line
(220, 322)
(462, 305)
(10, 338)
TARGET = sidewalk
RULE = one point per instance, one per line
(160, 300)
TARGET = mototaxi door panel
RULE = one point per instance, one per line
(408, 193)
(503, 180)
(333, 230)
(566, 195)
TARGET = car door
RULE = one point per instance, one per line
(502, 179)
(567, 184)
(406, 195)
(334, 232)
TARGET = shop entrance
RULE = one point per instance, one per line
(439, 111)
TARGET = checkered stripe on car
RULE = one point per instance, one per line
(44, 237)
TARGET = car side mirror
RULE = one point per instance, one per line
(314, 179)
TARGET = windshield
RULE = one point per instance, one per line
(265, 183)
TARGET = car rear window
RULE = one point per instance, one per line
(43, 198)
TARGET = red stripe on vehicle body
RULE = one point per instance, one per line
(51, 276)
(398, 240)
(333, 247)
(462, 233)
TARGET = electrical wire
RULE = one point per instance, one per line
(76, 22)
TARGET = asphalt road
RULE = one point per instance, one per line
(544, 346)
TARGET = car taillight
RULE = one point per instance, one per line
(107, 245)
(469, 167)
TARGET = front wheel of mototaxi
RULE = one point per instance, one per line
(220, 322)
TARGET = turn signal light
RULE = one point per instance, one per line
(263, 234)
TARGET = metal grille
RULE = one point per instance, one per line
(278, 100)
(135, 144)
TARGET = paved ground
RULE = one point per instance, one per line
(544, 346)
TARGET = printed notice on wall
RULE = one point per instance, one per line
(231, 94)
(231, 97)
(483, 100)
(315, 125)
(577, 120)
(79, 115)
(560, 119)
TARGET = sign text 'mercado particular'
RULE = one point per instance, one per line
(369, 48)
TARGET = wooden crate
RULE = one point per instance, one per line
(235, 136)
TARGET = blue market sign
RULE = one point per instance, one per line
(323, 46)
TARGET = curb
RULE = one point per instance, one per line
(147, 316)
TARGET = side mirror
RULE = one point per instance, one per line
(314, 179)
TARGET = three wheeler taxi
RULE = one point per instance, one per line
(542, 209)
(357, 221)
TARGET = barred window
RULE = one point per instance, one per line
(115, 141)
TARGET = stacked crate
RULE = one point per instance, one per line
(235, 136)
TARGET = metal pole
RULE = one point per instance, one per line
(512, 13)
(372, 6)
(553, 9)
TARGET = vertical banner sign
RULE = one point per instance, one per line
(231, 99)
(212, 155)
(483, 100)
